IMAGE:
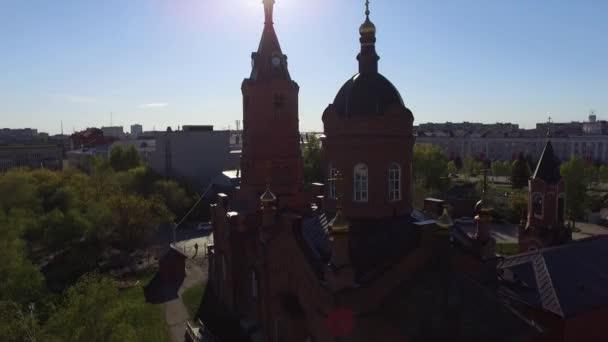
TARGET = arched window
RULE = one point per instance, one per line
(254, 285)
(331, 183)
(394, 182)
(537, 205)
(360, 183)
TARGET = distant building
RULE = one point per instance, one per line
(113, 132)
(489, 142)
(136, 131)
(32, 156)
(192, 155)
(17, 135)
(91, 138)
(82, 158)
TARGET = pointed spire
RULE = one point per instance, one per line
(269, 62)
(268, 9)
(368, 59)
(547, 168)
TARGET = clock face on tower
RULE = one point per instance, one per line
(276, 61)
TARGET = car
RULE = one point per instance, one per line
(205, 226)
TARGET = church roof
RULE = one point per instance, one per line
(565, 280)
(368, 95)
(547, 168)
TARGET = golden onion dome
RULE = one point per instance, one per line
(367, 28)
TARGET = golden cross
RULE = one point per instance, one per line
(367, 8)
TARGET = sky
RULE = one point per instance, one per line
(173, 62)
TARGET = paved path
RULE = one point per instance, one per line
(176, 313)
(508, 233)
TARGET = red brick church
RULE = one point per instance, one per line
(348, 260)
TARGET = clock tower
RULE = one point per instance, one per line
(271, 138)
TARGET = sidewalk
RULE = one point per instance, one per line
(176, 313)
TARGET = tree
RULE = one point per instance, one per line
(173, 195)
(501, 169)
(312, 159)
(135, 217)
(520, 172)
(577, 177)
(93, 311)
(430, 166)
(472, 167)
(20, 280)
(603, 173)
(122, 159)
(452, 167)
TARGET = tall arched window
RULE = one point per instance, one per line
(360, 183)
(537, 205)
(394, 182)
(331, 182)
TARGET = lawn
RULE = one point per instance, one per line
(192, 298)
(507, 249)
(151, 323)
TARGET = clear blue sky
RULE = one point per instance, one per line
(175, 62)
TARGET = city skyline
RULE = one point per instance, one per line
(162, 64)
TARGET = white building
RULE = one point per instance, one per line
(113, 131)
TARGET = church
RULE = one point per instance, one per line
(349, 259)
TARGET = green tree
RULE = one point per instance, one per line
(603, 173)
(452, 167)
(134, 218)
(20, 280)
(122, 159)
(312, 159)
(520, 172)
(472, 167)
(173, 195)
(577, 177)
(430, 166)
(93, 311)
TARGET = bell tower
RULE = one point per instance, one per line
(545, 226)
(271, 137)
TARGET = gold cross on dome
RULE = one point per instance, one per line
(367, 8)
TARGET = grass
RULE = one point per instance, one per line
(507, 249)
(151, 322)
(192, 298)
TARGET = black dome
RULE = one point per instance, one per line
(366, 95)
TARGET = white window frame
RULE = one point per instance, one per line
(360, 183)
(394, 182)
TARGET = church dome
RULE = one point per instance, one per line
(366, 95)
(367, 28)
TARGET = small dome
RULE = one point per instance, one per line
(367, 28)
(366, 95)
